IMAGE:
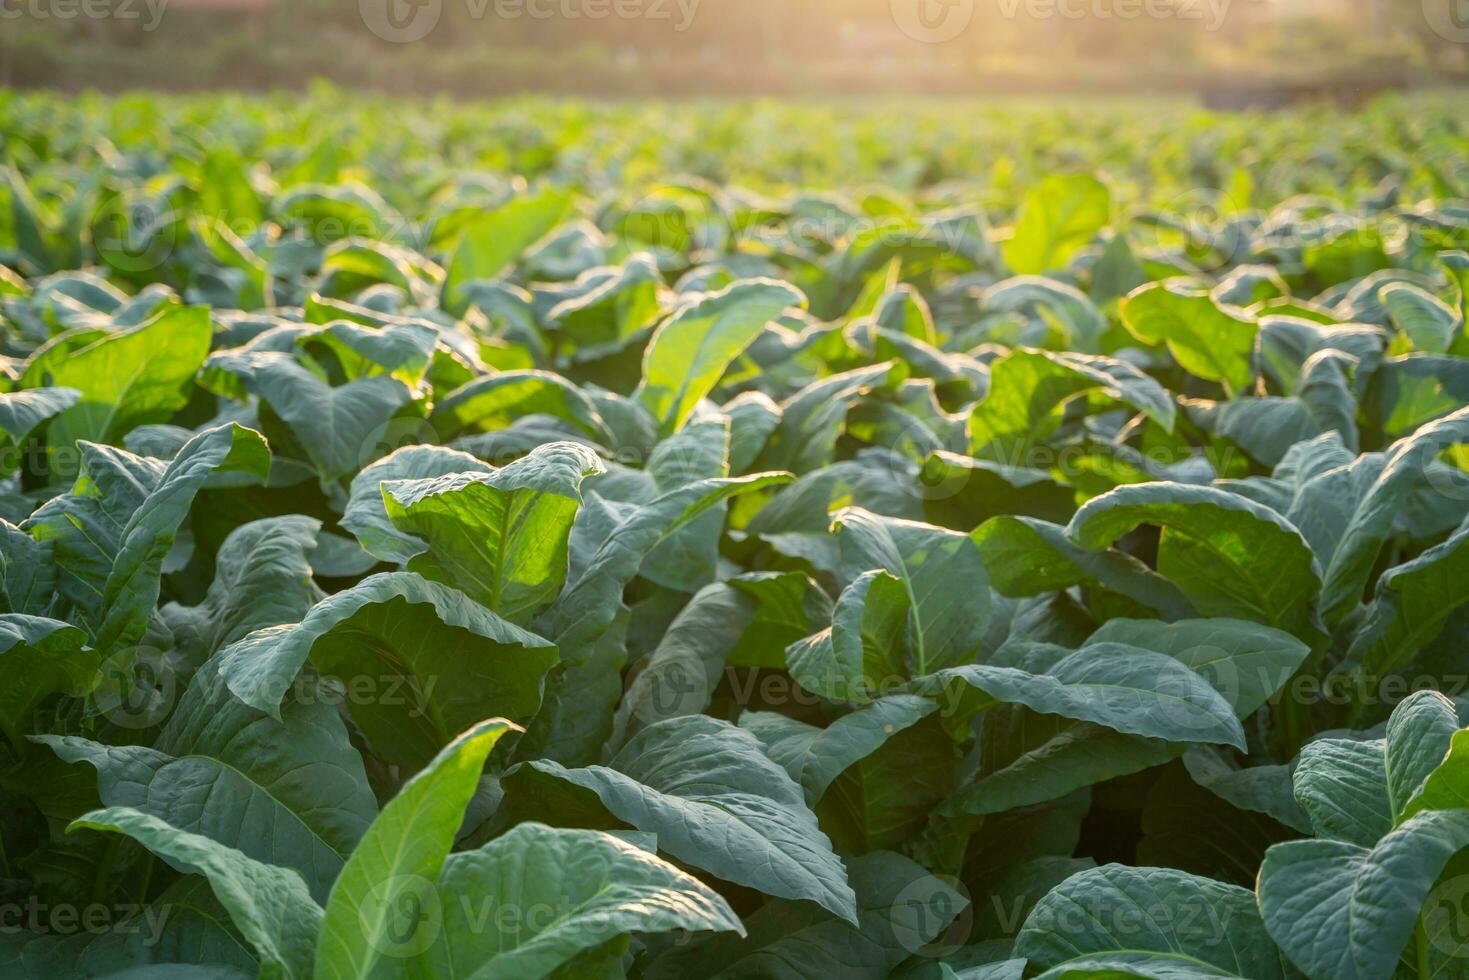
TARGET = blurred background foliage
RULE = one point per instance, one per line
(1229, 52)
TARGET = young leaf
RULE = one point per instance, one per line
(941, 572)
(498, 239)
(126, 379)
(498, 537)
(1208, 340)
(1029, 389)
(1059, 215)
(690, 351)
(395, 869)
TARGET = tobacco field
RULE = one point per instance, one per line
(550, 539)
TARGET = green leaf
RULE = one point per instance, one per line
(1261, 789)
(1446, 787)
(691, 350)
(743, 621)
(496, 401)
(82, 530)
(340, 428)
(900, 908)
(608, 307)
(1058, 216)
(110, 534)
(262, 578)
(1345, 911)
(1412, 604)
(498, 239)
(1419, 742)
(133, 585)
(291, 793)
(41, 657)
(186, 929)
(128, 378)
(689, 558)
(815, 757)
(1030, 390)
(1207, 340)
(1267, 428)
(1342, 784)
(1119, 910)
(812, 418)
(399, 350)
(1028, 557)
(1372, 514)
(1244, 661)
(422, 658)
(861, 652)
(1229, 555)
(589, 603)
(713, 798)
(28, 572)
(270, 906)
(1130, 690)
(585, 688)
(1045, 757)
(395, 869)
(499, 537)
(941, 572)
(366, 515)
(1427, 320)
(22, 412)
(599, 888)
(1145, 966)
(1055, 302)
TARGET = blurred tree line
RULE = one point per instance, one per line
(780, 47)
